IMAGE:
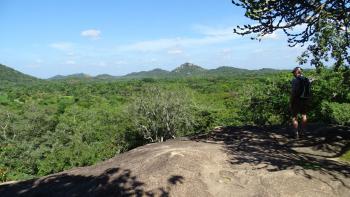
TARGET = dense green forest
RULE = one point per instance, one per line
(47, 126)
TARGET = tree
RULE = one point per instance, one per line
(161, 114)
(5, 121)
(323, 24)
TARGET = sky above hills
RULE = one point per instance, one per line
(45, 38)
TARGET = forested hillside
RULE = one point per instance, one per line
(8, 74)
(186, 70)
(50, 126)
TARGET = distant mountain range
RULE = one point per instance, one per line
(73, 76)
(155, 73)
(184, 70)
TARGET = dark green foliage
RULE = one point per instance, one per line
(268, 103)
(336, 113)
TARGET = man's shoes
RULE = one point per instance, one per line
(302, 132)
(296, 133)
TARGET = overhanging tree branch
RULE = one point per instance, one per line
(323, 24)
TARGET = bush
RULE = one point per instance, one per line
(268, 104)
(3, 175)
(346, 156)
(160, 114)
(337, 113)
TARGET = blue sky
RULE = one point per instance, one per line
(45, 38)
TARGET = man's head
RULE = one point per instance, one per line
(297, 71)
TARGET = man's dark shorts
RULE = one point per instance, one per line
(299, 106)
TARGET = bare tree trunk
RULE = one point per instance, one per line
(4, 131)
(147, 134)
(4, 128)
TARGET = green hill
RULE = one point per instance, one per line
(155, 73)
(72, 76)
(188, 69)
(57, 77)
(227, 70)
(11, 75)
(105, 77)
(268, 70)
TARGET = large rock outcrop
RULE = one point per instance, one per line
(231, 161)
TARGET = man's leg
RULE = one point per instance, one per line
(295, 126)
(295, 111)
(295, 122)
(303, 122)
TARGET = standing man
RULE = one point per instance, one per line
(300, 95)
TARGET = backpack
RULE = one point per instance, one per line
(304, 88)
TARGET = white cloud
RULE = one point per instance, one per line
(226, 50)
(70, 62)
(279, 34)
(39, 61)
(33, 66)
(214, 31)
(102, 64)
(63, 46)
(175, 51)
(225, 54)
(91, 33)
(299, 28)
(149, 45)
(206, 36)
(120, 62)
(70, 53)
(168, 43)
(272, 36)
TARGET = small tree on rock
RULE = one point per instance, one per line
(161, 114)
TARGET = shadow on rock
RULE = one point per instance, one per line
(274, 148)
(112, 182)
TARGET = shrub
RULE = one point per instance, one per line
(337, 113)
(268, 104)
(160, 114)
(3, 175)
